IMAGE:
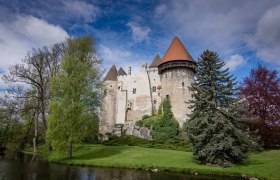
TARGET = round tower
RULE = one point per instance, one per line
(108, 109)
(176, 72)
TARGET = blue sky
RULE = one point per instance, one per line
(245, 33)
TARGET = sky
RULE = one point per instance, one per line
(244, 33)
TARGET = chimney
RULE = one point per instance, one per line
(129, 70)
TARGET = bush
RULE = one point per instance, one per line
(149, 122)
(164, 126)
(135, 141)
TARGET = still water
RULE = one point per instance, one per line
(32, 167)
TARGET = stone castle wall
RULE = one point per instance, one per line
(108, 108)
(174, 85)
(132, 96)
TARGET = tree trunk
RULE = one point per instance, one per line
(35, 132)
(49, 148)
(70, 150)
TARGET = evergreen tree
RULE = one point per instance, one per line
(212, 128)
(167, 127)
(75, 91)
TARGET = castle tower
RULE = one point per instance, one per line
(108, 108)
(176, 71)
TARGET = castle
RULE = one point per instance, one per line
(127, 96)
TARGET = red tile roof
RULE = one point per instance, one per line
(176, 51)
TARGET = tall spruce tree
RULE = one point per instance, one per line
(212, 127)
(75, 91)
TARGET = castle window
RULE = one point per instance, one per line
(183, 84)
(154, 88)
(134, 90)
(119, 87)
(166, 75)
(155, 101)
(105, 92)
(158, 94)
(167, 96)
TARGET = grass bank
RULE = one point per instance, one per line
(264, 165)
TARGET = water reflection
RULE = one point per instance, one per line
(30, 167)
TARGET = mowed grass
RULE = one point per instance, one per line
(264, 165)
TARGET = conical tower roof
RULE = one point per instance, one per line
(176, 51)
(112, 74)
(156, 61)
(121, 72)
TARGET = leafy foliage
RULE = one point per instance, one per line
(212, 127)
(261, 91)
(167, 127)
(164, 126)
(149, 122)
(136, 141)
(75, 95)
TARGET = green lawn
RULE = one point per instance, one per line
(262, 165)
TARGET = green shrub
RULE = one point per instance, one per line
(167, 127)
(136, 141)
(164, 126)
(149, 122)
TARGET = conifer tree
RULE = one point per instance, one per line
(212, 127)
(166, 128)
(75, 91)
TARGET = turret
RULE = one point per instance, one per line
(176, 71)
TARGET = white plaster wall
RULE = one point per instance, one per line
(121, 104)
(155, 81)
(141, 101)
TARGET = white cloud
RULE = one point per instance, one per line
(160, 10)
(81, 10)
(139, 33)
(220, 25)
(23, 33)
(119, 57)
(266, 40)
(235, 61)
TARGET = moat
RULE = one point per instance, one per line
(32, 167)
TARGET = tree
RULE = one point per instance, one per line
(15, 122)
(212, 128)
(166, 128)
(75, 95)
(261, 91)
(34, 72)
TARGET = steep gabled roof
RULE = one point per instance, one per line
(176, 51)
(121, 72)
(112, 74)
(156, 61)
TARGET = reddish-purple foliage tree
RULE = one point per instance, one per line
(262, 93)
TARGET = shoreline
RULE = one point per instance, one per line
(93, 156)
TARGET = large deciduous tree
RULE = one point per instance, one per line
(261, 91)
(212, 127)
(75, 95)
(34, 74)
